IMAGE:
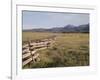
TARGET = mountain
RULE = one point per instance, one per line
(80, 28)
(68, 28)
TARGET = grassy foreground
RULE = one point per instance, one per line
(69, 49)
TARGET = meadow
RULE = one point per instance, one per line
(68, 49)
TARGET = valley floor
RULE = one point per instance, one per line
(68, 49)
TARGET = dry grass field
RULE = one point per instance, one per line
(69, 49)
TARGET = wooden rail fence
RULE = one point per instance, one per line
(29, 50)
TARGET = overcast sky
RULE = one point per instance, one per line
(32, 19)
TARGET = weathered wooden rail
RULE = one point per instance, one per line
(29, 50)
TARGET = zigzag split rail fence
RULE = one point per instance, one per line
(29, 50)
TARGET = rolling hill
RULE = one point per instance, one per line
(67, 28)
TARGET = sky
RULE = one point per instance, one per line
(37, 19)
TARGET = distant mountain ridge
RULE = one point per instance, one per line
(68, 28)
